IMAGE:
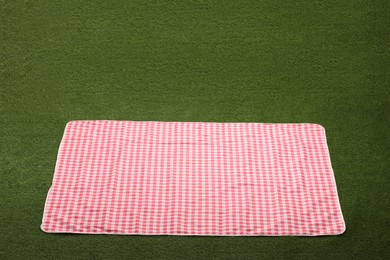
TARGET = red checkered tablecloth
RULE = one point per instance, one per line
(178, 178)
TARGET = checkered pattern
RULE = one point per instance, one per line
(171, 178)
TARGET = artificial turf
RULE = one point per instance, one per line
(323, 62)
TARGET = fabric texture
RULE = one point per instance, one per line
(188, 178)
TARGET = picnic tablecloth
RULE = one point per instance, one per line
(193, 178)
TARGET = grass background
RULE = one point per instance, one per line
(323, 62)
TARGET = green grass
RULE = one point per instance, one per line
(323, 62)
